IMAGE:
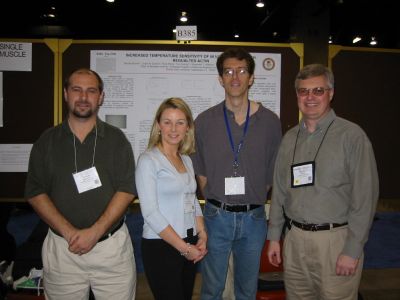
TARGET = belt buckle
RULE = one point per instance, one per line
(314, 227)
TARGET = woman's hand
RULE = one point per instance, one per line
(193, 253)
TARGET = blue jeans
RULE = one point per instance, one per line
(244, 234)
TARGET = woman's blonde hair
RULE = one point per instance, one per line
(186, 146)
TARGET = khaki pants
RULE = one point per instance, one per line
(108, 269)
(309, 259)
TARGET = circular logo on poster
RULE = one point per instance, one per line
(268, 64)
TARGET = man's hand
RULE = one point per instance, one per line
(202, 241)
(83, 241)
(201, 245)
(274, 253)
(346, 265)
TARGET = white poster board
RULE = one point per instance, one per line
(15, 56)
(136, 82)
(14, 157)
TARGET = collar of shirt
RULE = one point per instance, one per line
(322, 125)
(100, 128)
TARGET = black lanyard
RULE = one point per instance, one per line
(323, 138)
(239, 146)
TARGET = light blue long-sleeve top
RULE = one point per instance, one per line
(163, 192)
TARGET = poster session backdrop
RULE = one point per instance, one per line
(366, 81)
(139, 77)
(28, 109)
(136, 83)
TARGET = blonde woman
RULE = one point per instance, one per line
(174, 238)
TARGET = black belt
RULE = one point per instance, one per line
(106, 236)
(234, 208)
(314, 227)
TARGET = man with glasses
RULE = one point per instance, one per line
(236, 146)
(325, 191)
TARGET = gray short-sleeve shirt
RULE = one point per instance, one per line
(214, 157)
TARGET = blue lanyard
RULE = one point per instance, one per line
(239, 147)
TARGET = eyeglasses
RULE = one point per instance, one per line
(318, 91)
(238, 72)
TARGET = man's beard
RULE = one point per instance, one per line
(84, 114)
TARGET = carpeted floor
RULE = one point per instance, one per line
(381, 274)
(383, 247)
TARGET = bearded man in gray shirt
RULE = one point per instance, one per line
(326, 191)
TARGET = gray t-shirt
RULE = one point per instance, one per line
(214, 156)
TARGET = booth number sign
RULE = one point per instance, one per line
(186, 33)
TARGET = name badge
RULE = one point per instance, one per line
(189, 203)
(234, 186)
(303, 174)
(87, 180)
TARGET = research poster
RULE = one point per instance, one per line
(136, 82)
(14, 157)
